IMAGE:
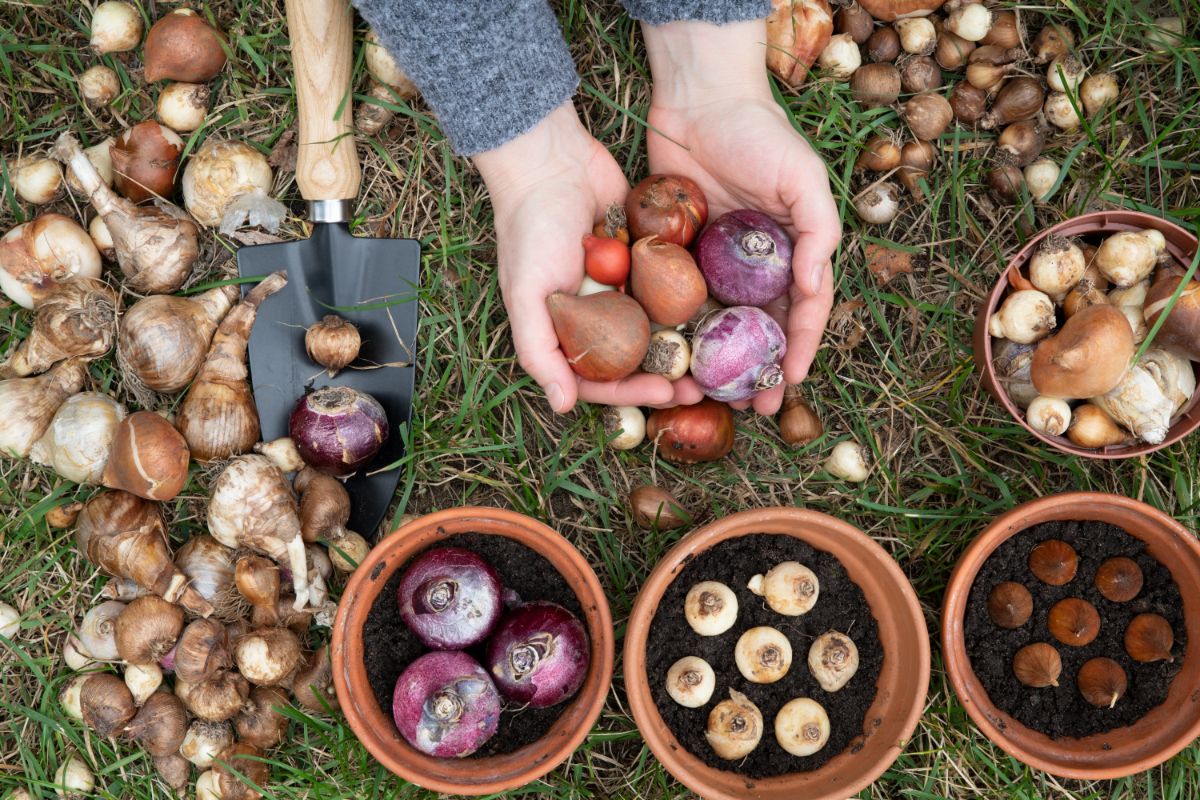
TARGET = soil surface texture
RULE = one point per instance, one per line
(389, 646)
(1062, 711)
(840, 606)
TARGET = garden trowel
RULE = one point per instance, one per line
(370, 282)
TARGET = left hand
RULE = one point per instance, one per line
(713, 119)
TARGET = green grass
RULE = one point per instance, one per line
(896, 373)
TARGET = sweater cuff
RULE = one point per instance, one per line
(660, 12)
(490, 71)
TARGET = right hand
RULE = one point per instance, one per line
(548, 188)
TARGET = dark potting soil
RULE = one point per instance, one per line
(840, 606)
(389, 646)
(1061, 711)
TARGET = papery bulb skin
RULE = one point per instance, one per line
(446, 705)
(736, 353)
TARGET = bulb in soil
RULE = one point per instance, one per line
(790, 588)
(1037, 665)
(833, 660)
(763, 655)
(691, 681)
(1053, 561)
(1119, 579)
(1149, 638)
(735, 727)
(1102, 682)
(802, 727)
(1073, 622)
(626, 424)
(1010, 605)
(711, 608)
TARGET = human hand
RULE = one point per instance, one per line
(548, 188)
(713, 119)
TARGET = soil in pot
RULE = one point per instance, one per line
(389, 646)
(840, 606)
(1062, 711)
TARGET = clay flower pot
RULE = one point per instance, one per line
(375, 728)
(903, 678)
(1154, 738)
(1182, 247)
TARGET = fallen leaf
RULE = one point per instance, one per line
(252, 237)
(844, 323)
(886, 263)
(283, 154)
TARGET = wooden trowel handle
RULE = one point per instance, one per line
(322, 57)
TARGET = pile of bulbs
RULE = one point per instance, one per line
(889, 48)
(1069, 331)
(1074, 622)
(763, 655)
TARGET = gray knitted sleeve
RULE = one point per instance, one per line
(659, 12)
(492, 70)
(489, 70)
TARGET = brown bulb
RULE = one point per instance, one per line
(1119, 579)
(1037, 665)
(1149, 638)
(1005, 31)
(798, 422)
(1005, 179)
(969, 103)
(653, 508)
(854, 20)
(1023, 140)
(880, 154)
(1010, 605)
(1101, 681)
(1073, 621)
(884, 44)
(333, 343)
(876, 85)
(916, 160)
(107, 704)
(1020, 99)
(1053, 561)
(920, 74)
(952, 51)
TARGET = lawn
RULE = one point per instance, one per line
(896, 374)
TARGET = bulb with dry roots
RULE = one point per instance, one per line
(691, 681)
(156, 246)
(735, 727)
(711, 608)
(669, 355)
(833, 660)
(802, 726)
(626, 424)
(790, 588)
(1024, 317)
(763, 655)
(1056, 266)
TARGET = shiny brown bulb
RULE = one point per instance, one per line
(1073, 621)
(1119, 579)
(1054, 562)
(1149, 638)
(1037, 665)
(1102, 682)
(1010, 605)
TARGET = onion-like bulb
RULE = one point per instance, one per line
(183, 106)
(259, 722)
(208, 565)
(218, 417)
(201, 651)
(73, 780)
(332, 342)
(156, 246)
(97, 634)
(257, 579)
(125, 536)
(324, 505)
(163, 338)
(313, 685)
(217, 699)
(145, 161)
(78, 318)
(160, 725)
(77, 443)
(116, 27)
(38, 256)
(107, 704)
(98, 85)
(27, 405)
(36, 180)
(149, 458)
(203, 741)
(147, 630)
(252, 506)
(226, 183)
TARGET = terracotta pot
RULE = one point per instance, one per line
(1180, 244)
(903, 678)
(375, 728)
(1157, 736)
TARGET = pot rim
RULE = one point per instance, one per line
(823, 532)
(1180, 243)
(1055, 756)
(357, 700)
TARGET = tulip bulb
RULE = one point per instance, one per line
(1098, 92)
(1010, 605)
(846, 462)
(116, 27)
(840, 57)
(917, 35)
(1037, 665)
(99, 85)
(36, 180)
(1092, 427)
(1052, 41)
(1060, 112)
(1041, 177)
(1102, 682)
(711, 608)
(970, 21)
(691, 681)
(1087, 358)
(1064, 74)
(802, 727)
(181, 46)
(626, 424)
(797, 32)
(1054, 562)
